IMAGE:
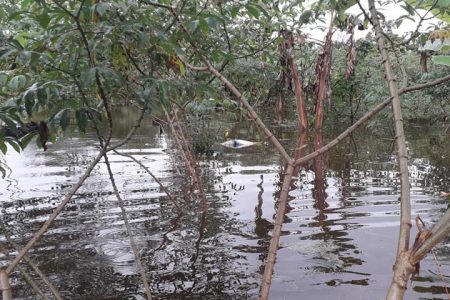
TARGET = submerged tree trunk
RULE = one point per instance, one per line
(299, 149)
(5, 286)
(319, 179)
(402, 268)
(274, 242)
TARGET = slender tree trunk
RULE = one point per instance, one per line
(402, 267)
(274, 242)
(299, 149)
(319, 179)
(5, 286)
(289, 54)
(279, 110)
(323, 69)
(285, 78)
(424, 62)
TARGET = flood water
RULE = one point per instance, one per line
(341, 248)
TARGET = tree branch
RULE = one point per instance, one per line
(137, 257)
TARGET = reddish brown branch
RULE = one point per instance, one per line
(298, 89)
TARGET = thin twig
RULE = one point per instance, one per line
(444, 285)
(32, 283)
(27, 278)
(30, 262)
(137, 257)
(153, 176)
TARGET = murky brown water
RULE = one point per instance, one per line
(341, 249)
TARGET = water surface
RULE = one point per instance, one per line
(340, 247)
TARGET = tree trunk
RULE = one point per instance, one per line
(274, 242)
(5, 286)
(289, 73)
(323, 69)
(279, 110)
(402, 271)
(301, 144)
(319, 178)
(424, 62)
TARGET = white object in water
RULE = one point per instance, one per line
(238, 144)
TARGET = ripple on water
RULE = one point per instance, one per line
(337, 247)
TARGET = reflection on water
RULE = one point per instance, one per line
(339, 235)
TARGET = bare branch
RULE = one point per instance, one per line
(137, 257)
(153, 176)
(439, 232)
(31, 263)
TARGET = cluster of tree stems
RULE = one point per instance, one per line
(407, 257)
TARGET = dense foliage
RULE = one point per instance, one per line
(51, 51)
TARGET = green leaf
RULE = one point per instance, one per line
(305, 17)
(193, 25)
(204, 27)
(253, 11)
(110, 76)
(29, 101)
(3, 147)
(64, 118)
(21, 39)
(10, 124)
(101, 8)
(18, 15)
(34, 59)
(15, 43)
(81, 117)
(17, 82)
(212, 22)
(343, 5)
(441, 59)
(43, 20)
(4, 53)
(42, 94)
(25, 140)
(3, 79)
(87, 77)
(182, 69)
(234, 10)
(13, 144)
(39, 143)
(24, 57)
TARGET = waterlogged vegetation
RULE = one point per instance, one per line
(116, 182)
